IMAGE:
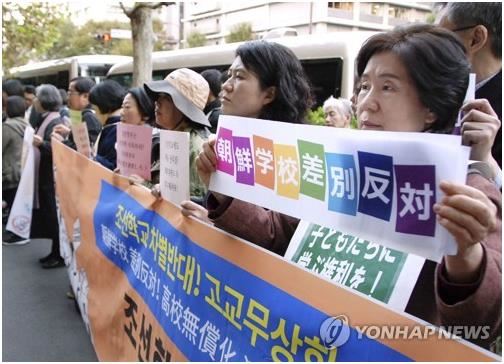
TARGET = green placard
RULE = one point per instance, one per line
(362, 265)
(75, 117)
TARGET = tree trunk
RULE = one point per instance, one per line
(143, 43)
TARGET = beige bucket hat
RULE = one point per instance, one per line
(188, 90)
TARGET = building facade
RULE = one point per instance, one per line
(216, 19)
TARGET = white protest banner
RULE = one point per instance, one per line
(20, 216)
(81, 138)
(379, 186)
(174, 174)
(470, 95)
(134, 144)
(385, 274)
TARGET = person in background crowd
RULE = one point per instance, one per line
(44, 217)
(266, 81)
(29, 95)
(479, 27)
(338, 112)
(78, 99)
(64, 111)
(137, 108)
(12, 144)
(179, 102)
(106, 99)
(213, 106)
(11, 87)
(412, 79)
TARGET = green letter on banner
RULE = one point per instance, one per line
(313, 169)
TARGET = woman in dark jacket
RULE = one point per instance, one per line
(106, 99)
(44, 218)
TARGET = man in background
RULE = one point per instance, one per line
(479, 27)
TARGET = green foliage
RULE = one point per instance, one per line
(79, 41)
(240, 33)
(353, 123)
(430, 18)
(316, 116)
(157, 27)
(195, 39)
(29, 29)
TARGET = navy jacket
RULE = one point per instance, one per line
(106, 153)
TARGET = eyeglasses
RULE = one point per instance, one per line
(464, 28)
(71, 92)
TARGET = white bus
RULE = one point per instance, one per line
(328, 61)
(60, 71)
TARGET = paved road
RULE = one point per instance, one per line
(39, 323)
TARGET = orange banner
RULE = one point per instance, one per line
(162, 287)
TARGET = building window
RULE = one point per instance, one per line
(341, 6)
(397, 12)
(376, 9)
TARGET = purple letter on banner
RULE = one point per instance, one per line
(224, 151)
(416, 194)
(244, 162)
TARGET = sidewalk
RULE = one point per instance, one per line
(39, 323)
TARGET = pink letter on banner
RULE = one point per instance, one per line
(224, 151)
(244, 162)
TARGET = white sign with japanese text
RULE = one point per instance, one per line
(174, 173)
(380, 186)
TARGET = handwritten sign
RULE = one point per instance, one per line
(174, 174)
(380, 186)
(134, 143)
(81, 138)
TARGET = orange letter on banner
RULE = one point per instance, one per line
(264, 162)
(287, 170)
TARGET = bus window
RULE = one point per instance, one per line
(325, 76)
(60, 71)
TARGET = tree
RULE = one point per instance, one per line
(240, 32)
(195, 39)
(80, 41)
(143, 38)
(29, 30)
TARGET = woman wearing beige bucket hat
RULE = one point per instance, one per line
(179, 102)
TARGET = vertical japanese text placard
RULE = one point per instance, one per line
(174, 174)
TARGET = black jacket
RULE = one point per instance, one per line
(492, 91)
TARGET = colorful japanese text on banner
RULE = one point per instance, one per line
(161, 287)
(380, 186)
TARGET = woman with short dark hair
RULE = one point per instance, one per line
(137, 108)
(106, 99)
(276, 67)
